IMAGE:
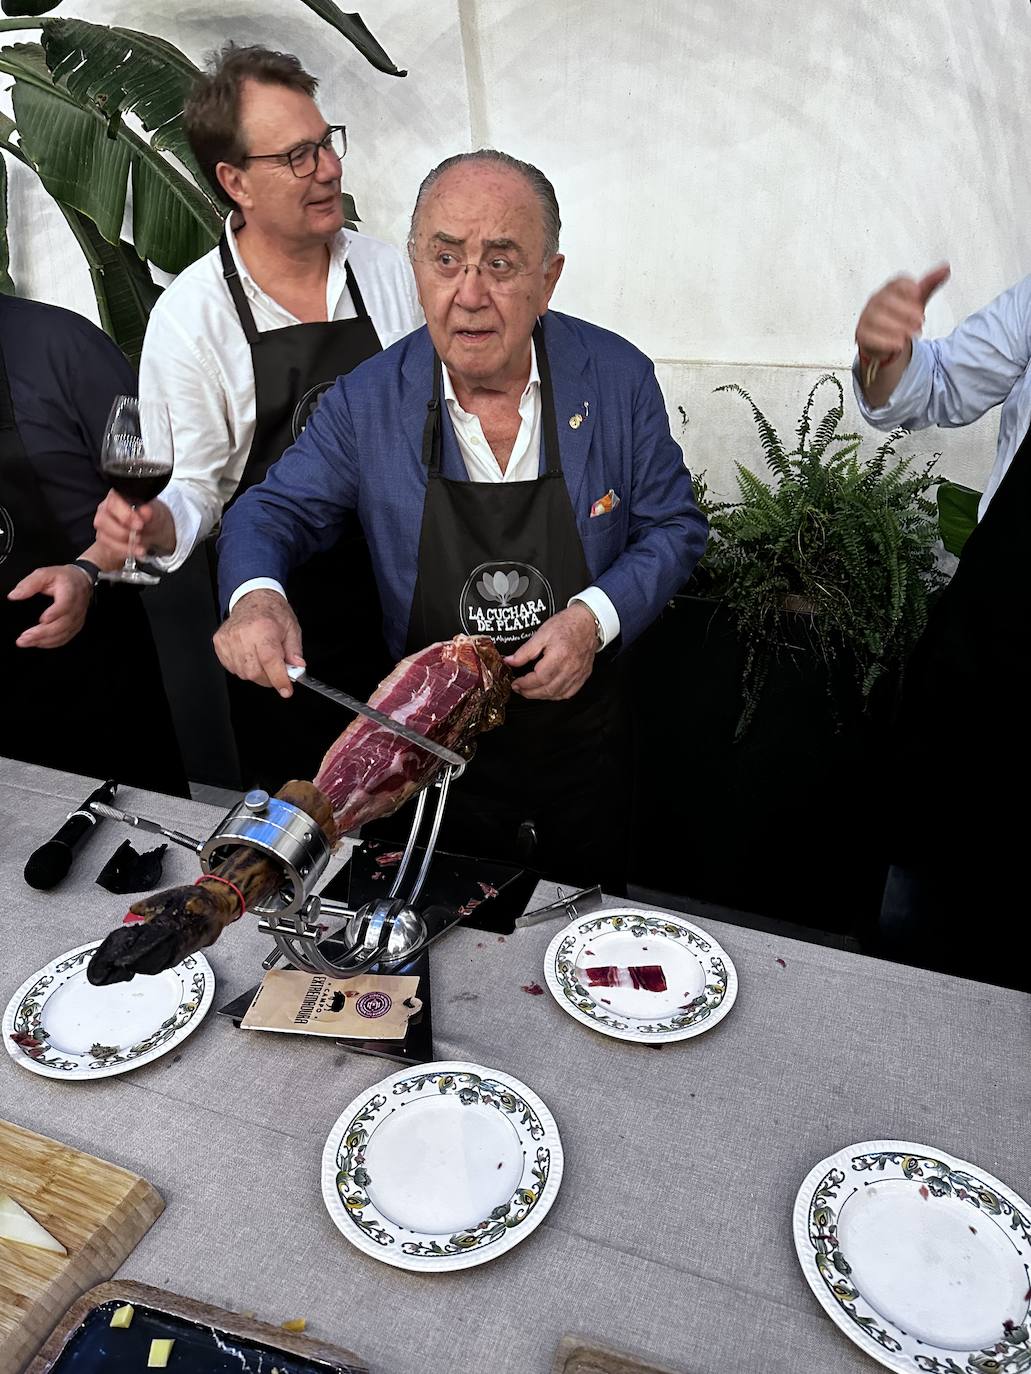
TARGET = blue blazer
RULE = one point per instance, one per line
(362, 451)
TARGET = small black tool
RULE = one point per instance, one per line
(51, 861)
(127, 871)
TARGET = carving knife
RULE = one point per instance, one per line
(361, 708)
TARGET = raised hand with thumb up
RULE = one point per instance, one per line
(889, 321)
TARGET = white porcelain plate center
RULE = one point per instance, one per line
(920, 1258)
(944, 1273)
(439, 1166)
(78, 1015)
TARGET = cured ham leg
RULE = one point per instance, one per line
(450, 692)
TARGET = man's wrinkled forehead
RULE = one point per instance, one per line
(480, 205)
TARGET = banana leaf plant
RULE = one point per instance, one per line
(71, 93)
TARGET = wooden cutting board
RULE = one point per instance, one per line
(97, 1211)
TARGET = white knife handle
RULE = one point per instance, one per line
(293, 673)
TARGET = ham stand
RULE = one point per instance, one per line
(384, 936)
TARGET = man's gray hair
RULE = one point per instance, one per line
(539, 184)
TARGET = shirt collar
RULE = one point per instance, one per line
(533, 380)
(339, 245)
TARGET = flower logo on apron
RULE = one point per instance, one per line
(508, 601)
(307, 406)
(6, 533)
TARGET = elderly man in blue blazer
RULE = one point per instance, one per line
(514, 474)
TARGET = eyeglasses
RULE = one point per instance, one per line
(501, 272)
(303, 160)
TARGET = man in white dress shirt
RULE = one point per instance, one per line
(291, 251)
(241, 346)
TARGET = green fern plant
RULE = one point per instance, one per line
(834, 553)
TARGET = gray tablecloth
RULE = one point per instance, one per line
(671, 1235)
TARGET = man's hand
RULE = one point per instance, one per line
(259, 639)
(890, 320)
(564, 648)
(115, 519)
(63, 619)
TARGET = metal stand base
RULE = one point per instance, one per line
(390, 935)
(415, 1048)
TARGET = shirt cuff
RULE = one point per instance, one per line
(256, 584)
(910, 396)
(605, 613)
(186, 524)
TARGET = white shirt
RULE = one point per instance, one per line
(482, 466)
(984, 362)
(197, 362)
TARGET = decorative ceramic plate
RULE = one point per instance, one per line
(640, 975)
(922, 1259)
(443, 1168)
(61, 1026)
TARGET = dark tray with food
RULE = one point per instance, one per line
(125, 1327)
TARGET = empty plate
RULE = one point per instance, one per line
(443, 1168)
(921, 1258)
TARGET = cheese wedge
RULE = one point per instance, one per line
(17, 1225)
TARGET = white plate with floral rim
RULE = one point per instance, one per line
(640, 975)
(443, 1167)
(922, 1259)
(59, 1025)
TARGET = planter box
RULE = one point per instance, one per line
(785, 822)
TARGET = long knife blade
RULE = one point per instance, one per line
(362, 708)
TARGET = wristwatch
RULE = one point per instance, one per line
(90, 569)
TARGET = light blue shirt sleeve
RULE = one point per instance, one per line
(954, 380)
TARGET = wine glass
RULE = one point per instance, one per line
(136, 458)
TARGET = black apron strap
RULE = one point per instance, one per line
(432, 440)
(7, 420)
(356, 296)
(233, 282)
(432, 444)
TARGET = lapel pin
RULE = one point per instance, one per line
(575, 421)
(587, 410)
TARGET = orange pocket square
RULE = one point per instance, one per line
(605, 503)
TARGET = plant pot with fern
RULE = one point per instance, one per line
(784, 653)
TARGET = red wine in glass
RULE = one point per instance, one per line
(140, 484)
(136, 458)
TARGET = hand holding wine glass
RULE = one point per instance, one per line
(136, 458)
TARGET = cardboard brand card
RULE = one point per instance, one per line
(369, 1007)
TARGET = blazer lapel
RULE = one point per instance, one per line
(576, 407)
(416, 390)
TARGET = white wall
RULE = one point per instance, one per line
(735, 175)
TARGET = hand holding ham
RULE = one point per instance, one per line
(890, 320)
(564, 648)
(62, 620)
(259, 639)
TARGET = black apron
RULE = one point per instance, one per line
(549, 786)
(962, 748)
(334, 594)
(96, 705)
